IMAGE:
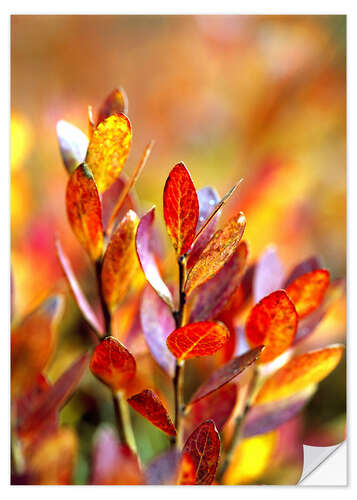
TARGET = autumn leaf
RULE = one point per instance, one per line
(157, 323)
(115, 104)
(208, 300)
(180, 208)
(113, 462)
(268, 275)
(272, 322)
(308, 291)
(120, 263)
(218, 251)
(300, 372)
(84, 306)
(226, 373)
(218, 406)
(163, 469)
(84, 210)
(108, 150)
(33, 343)
(207, 200)
(73, 145)
(306, 266)
(200, 455)
(197, 339)
(53, 460)
(147, 260)
(148, 404)
(113, 364)
(110, 198)
(264, 418)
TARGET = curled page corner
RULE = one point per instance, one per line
(314, 456)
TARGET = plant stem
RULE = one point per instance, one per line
(106, 312)
(178, 379)
(123, 421)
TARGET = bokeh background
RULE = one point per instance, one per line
(258, 97)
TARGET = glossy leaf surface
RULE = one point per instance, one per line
(218, 251)
(120, 263)
(300, 372)
(73, 145)
(84, 210)
(147, 260)
(108, 150)
(197, 339)
(148, 404)
(112, 363)
(181, 208)
(76, 290)
(157, 323)
(272, 322)
(208, 300)
(226, 373)
(308, 291)
(200, 455)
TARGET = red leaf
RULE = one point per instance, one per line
(112, 363)
(73, 145)
(180, 208)
(147, 260)
(269, 274)
(76, 290)
(208, 300)
(114, 463)
(272, 322)
(218, 406)
(207, 199)
(197, 339)
(308, 291)
(226, 373)
(115, 103)
(54, 398)
(218, 251)
(157, 323)
(202, 451)
(120, 264)
(149, 406)
(306, 266)
(84, 210)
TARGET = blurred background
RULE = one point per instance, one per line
(258, 97)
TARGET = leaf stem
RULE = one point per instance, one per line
(178, 379)
(123, 421)
(106, 312)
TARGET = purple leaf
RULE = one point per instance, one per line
(157, 323)
(306, 266)
(110, 198)
(269, 274)
(163, 469)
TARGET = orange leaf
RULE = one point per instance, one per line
(33, 343)
(108, 150)
(301, 371)
(226, 373)
(197, 339)
(112, 363)
(200, 455)
(308, 291)
(120, 263)
(84, 210)
(149, 406)
(180, 208)
(147, 260)
(272, 322)
(219, 249)
(115, 103)
(53, 460)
